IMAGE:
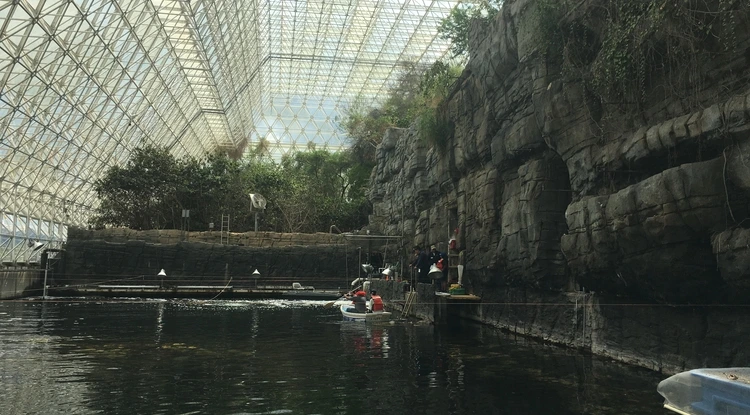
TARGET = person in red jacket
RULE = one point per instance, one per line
(441, 261)
(376, 303)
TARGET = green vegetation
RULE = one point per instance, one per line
(625, 50)
(434, 87)
(307, 192)
(365, 125)
(457, 26)
(418, 96)
(416, 99)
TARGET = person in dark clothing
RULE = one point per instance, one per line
(360, 304)
(422, 264)
(436, 256)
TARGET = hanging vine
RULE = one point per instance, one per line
(645, 48)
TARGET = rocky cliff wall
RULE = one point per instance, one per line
(554, 191)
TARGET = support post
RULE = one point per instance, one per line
(44, 288)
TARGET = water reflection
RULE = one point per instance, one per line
(159, 321)
(30, 375)
(245, 357)
(369, 341)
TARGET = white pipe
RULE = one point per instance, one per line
(44, 290)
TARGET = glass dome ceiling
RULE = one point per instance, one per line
(84, 82)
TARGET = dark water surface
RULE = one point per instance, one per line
(285, 357)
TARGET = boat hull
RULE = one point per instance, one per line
(374, 316)
(714, 391)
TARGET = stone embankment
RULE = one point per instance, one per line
(170, 236)
(124, 256)
(17, 282)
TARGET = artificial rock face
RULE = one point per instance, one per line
(552, 188)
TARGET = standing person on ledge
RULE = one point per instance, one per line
(422, 264)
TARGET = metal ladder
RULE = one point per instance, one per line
(411, 298)
(225, 229)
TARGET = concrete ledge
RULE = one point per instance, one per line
(192, 291)
(135, 287)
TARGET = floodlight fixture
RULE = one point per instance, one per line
(435, 272)
(35, 245)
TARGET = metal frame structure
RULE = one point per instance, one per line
(84, 82)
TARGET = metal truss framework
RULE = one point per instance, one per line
(84, 82)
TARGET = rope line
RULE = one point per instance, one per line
(222, 290)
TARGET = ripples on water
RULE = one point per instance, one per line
(288, 357)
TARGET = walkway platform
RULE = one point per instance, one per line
(193, 291)
(448, 306)
(456, 298)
